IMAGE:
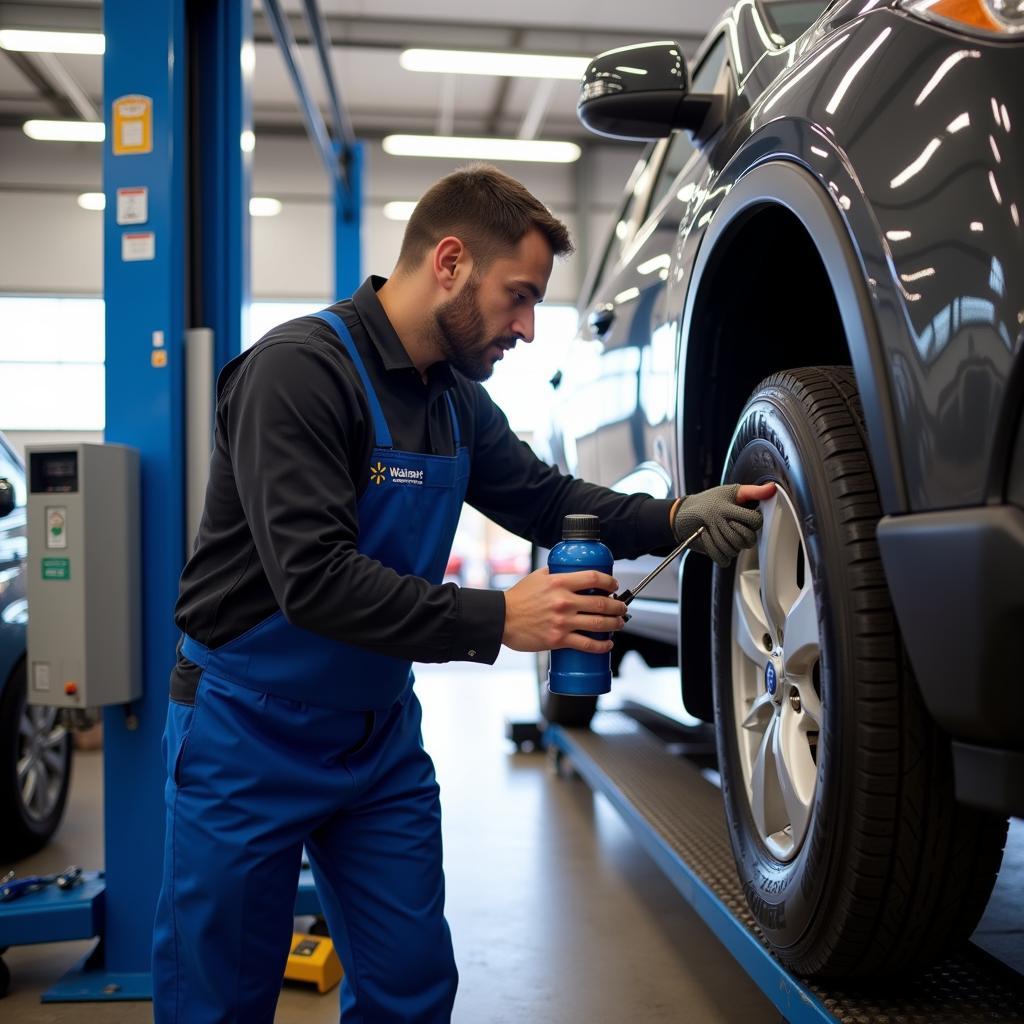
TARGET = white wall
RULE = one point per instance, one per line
(48, 245)
(20, 439)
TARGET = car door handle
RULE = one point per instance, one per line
(601, 320)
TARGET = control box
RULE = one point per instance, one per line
(84, 575)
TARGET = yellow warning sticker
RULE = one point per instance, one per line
(133, 125)
(158, 358)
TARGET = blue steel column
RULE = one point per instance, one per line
(221, 55)
(145, 54)
(348, 222)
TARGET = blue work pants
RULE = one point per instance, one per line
(252, 778)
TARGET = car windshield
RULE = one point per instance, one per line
(791, 18)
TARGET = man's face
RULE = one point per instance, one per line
(495, 308)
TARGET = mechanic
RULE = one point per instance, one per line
(346, 444)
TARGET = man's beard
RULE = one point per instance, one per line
(460, 334)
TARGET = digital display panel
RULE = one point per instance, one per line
(53, 472)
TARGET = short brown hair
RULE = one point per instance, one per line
(489, 211)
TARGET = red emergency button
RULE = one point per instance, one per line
(71, 689)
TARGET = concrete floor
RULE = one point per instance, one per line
(557, 914)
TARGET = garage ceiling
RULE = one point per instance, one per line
(367, 37)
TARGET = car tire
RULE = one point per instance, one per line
(28, 823)
(855, 858)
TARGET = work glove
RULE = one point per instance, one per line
(728, 527)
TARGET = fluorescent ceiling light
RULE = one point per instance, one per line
(474, 62)
(51, 42)
(65, 131)
(399, 209)
(482, 149)
(92, 201)
(264, 206)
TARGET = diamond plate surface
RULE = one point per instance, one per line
(687, 813)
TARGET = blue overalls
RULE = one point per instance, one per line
(293, 740)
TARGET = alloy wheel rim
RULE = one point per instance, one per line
(776, 690)
(41, 760)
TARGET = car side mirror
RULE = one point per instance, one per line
(642, 92)
(7, 500)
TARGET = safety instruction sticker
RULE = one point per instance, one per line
(132, 205)
(56, 568)
(41, 676)
(56, 526)
(138, 245)
(133, 125)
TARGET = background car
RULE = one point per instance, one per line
(453, 571)
(35, 749)
(816, 278)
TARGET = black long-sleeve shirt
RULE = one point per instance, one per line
(291, 458)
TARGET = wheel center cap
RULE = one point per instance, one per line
(771, 678)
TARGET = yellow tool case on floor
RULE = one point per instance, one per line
(312, 959)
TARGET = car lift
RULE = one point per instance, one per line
(177, 101)
(676, 815)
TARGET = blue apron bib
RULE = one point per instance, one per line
(407, 519)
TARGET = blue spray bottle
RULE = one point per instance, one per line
(576, 672)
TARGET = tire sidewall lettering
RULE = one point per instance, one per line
(784, 897)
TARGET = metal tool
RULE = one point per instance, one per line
(627, 595)
(12, 888)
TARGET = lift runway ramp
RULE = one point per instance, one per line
(677, 816)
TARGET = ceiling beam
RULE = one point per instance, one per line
(62, 106)
(504, 84)
(374, 31)
(64, 82)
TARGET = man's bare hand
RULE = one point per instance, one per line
(755, 492)
(543, 611)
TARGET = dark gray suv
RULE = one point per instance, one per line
(35, 749)
(817, 278)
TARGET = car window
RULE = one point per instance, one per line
(11, 469)
(680, 147)
(629, 216)
(790, 19)
(705, 77)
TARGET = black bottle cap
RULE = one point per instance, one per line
(581, 527)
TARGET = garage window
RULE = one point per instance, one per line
(52, 358)
(51, 363)
(52, 352)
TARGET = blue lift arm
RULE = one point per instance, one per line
(341, 157)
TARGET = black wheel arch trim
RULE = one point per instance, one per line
(787, 184)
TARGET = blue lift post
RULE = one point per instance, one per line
(144, 289)
(221, 63)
